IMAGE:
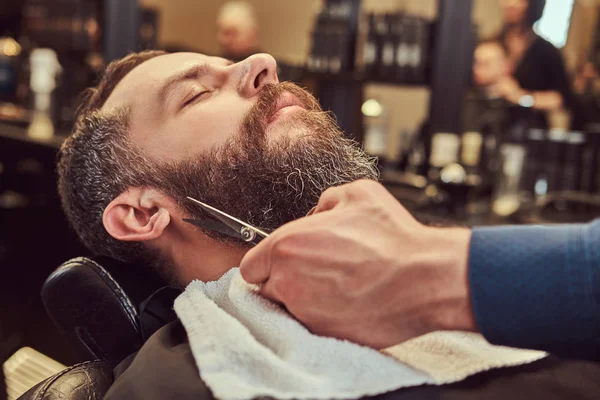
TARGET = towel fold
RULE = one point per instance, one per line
(246, 347)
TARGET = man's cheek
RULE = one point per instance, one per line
(213, 127)
(229, 111)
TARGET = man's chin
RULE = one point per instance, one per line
(291, 126)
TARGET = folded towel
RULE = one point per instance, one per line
(246, 347)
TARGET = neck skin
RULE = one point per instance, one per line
(194, 255)
(519, 36)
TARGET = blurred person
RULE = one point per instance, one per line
(485, 110)
(237, 31)
(538, 80)
(490, 68)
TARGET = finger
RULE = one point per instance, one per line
(267, 291)
(255, 267)
(331, 198)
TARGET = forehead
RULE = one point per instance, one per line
(149, 76)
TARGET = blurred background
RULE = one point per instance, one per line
(480, 111)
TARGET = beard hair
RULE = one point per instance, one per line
(269, 183)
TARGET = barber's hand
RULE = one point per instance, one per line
(362, 268)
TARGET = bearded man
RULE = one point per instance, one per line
(160, 127)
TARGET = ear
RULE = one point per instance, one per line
(137, 215)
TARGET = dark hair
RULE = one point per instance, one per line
(93, 163)
(535, 10)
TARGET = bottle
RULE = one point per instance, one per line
(386, 69)
(402, 53)
(376, 128)
(420, 50)
(444, 151)
(337, 44)
(9, 53)
(44, 69)
(317, 60)
(506, 198)
(470, 154)
(412, 50)
(534, 167)
(370, 48)
(337, 56)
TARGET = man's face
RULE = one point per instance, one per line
(490, 64)
(234, 137)
(185, 103)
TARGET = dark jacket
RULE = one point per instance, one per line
(165, 369)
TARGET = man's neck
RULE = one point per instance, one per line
(195, 256)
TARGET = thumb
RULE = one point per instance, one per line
(255, 267)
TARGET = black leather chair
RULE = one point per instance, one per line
(100, 319)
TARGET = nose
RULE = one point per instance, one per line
(259, 70)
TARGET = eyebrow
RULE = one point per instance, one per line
(193, 73)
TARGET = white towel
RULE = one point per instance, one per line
(246, 347)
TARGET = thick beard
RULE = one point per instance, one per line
(268, 183)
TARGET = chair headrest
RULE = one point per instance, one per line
(92, 310)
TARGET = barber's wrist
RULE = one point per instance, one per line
(452, 307)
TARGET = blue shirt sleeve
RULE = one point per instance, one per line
(538, 287)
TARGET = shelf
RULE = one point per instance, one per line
(19, 134)
(359, 78)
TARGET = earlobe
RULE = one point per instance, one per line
(136, 215)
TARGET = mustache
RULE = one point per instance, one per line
(266, 104)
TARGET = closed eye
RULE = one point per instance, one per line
(195, 97)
